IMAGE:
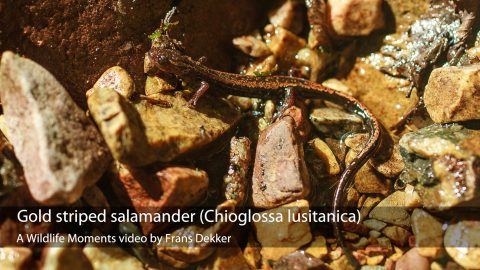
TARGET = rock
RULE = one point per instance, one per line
(236, 179)
(251, 252)
(337, 85)
(229, 257)
(341, 263)
(323, 152)
(428, 233)
(453, 94)
(388, 160)
(279, 174)
(366, 179)
(318, 247)
(299, 260)
(284, 45)
(289, 15)
(59, 255)
(398, 235)
(412, 260)
(150, 192)
(375, 224)
(393, 209)
(15, 258)
(375, 260)
(462, 242)
(442, 162)
(356, 17)
(110, 257)
(282, 238)
(335, 121)
(143, 132)
(367, 205)
(121, 127)
(252, 46)
(115, 78)
(314, 61)
(11, 172)
(297, 113)
(438, 140)
(361, 243)
(59, 148)
(262, 67)
(156, 85)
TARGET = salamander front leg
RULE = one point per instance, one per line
(200, 92)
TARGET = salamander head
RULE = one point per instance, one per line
(168, 56)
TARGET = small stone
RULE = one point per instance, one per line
(349, 236)
(375, 260)
(172, 187)
(374, 234)
(385, 243)
(121, 127)
(289, 15)
(115, 78)
(282, 238)
(142, 132)
(341, 263)
(428, 233)
(323, 152)
(59, 148)
(276, 179)
(393, 209)
(14, 258)
(375, 224)
(356, 17)
(412, 260)
(462, 242)
(252, 46)
(110, 257)
(398, 253)
(299, 260)
(335, 121)
(229, 257)
(453, 94)
(251, 252)
(368, 204)
(398, 235)
(363, 242)
(285, 45)
(58, 255)
(156, 85)
(318, 247)
(366, 179)
(337, 85)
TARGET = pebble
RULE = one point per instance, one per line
(453, 94)
(281, 238)
(60, 149)
(412, 260)
(398, 235)
(356, 17)
(462, 242)
(14, 258)
(393, 208)
(115, 78)
(335, 121)
(318, 247)
(428, 233)
(325, 153)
